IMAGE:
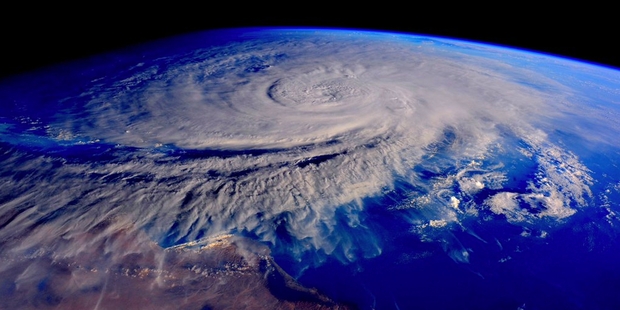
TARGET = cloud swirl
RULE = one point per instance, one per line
(283, 136)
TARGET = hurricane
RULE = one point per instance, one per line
(311, 146)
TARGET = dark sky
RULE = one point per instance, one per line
(31, 39)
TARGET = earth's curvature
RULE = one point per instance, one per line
(280, 168)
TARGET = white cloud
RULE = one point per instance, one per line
(300, 132)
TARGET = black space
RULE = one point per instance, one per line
(34, 36)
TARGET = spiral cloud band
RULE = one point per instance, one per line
(288, 139)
